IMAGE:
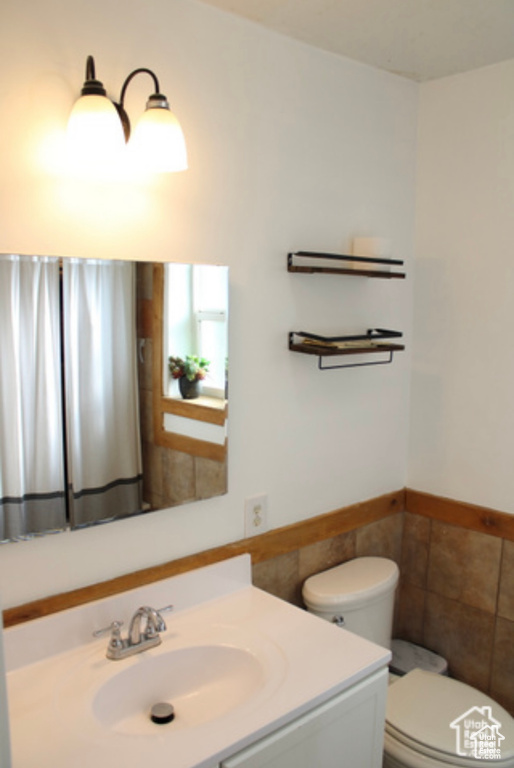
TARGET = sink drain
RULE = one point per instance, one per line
(162, 713)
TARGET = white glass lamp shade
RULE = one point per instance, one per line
(158, 144)
(94, 136)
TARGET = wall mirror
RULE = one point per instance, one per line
(93, 425)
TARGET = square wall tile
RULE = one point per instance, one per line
(464, 565)
(210, 477)
(178, 477)
(463, 635)
(502, 679)
(506, 596)
(415, 549)
(410, 613)
(279, 577)
(383, 538)
(326, 554)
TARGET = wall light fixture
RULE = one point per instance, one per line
(98, 128)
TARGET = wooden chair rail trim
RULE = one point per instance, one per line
(463, 514)
(261, 548)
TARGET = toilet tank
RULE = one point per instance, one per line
(358, 595)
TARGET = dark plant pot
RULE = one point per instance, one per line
(189, 389)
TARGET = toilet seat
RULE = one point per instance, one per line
(426, 720)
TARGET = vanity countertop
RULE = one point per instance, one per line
(63, 705)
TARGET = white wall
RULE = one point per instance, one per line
(462, 430)
(289, 148)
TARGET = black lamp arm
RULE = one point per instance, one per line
(131, 76)
(120, 106)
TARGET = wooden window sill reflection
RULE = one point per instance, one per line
(212, 410)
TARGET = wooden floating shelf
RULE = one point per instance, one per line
(311, 349)
(374, 341)
(356, 266)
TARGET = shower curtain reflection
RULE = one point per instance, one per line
(31, 446)
(102, 410)
(86, 436)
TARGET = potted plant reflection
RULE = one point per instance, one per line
(189, 371)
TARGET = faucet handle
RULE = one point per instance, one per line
(154, 620)
(115, 629)
(161, 625)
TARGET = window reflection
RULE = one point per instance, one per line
(196, 322)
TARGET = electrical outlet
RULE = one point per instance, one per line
(256, 515)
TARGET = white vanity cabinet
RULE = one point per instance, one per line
(344, 732)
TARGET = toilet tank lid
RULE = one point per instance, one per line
(351, 583)
(437, 716)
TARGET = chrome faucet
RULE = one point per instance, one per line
(138, 639)
(154, 624)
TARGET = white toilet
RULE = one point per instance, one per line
(432, 721)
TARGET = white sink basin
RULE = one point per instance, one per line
(207, 671)
(202, 683)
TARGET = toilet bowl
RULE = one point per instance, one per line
(432, 721)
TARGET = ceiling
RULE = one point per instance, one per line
(418, 39)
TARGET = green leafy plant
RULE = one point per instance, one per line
(194, 368)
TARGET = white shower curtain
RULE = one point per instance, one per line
(102, 410)
(31, 446)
